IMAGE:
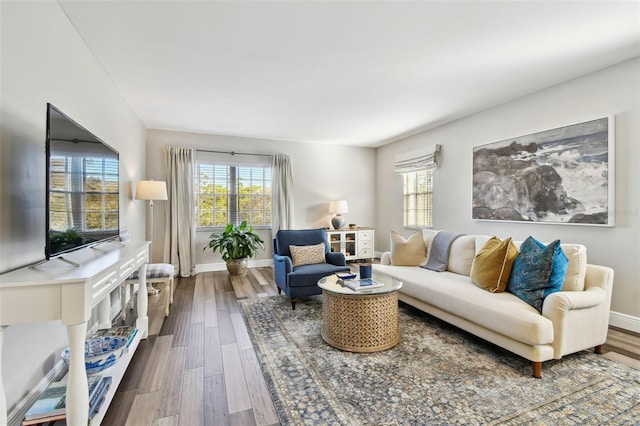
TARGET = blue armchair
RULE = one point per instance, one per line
(302, 280)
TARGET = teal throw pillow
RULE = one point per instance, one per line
(558, 269)
(531, 271)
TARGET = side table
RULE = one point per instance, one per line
(363, 320)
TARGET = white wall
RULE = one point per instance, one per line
(613, 91)
(321, 173)
(44, 60)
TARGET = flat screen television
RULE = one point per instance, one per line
(83, 187)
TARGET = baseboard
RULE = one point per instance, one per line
(208, 267)
(624, 321)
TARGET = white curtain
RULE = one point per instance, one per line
(282, 193)
(413, 161)
(179, 242)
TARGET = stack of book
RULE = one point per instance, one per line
(97, 398)
(51, 405)
(360, 284)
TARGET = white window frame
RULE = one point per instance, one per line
(231, 173)
(417, 195)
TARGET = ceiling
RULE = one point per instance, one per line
(359, 73)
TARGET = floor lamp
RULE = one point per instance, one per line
(152, 190)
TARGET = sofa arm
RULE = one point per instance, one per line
(336, 258)
(581, 318)
(282, 265)
(568, 300)
(385, 258)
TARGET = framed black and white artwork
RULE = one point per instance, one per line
(560, 176)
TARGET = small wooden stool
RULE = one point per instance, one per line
(156, 273)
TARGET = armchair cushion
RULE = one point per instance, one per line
(305, 275)
(307, 255)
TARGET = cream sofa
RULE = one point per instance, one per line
(573, 319)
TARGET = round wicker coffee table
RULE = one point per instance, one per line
(364, 320)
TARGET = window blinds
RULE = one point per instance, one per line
(422, 159)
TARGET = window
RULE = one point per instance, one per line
(84, 193)
(418, 198)
(232, 193)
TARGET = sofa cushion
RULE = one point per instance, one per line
(531, 271)
(307, 255)
(438, 258)
(577, 267)
(461, 255)
(492, 265)
(427, 236)
(503, 312)
(409, 251)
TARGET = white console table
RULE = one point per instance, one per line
(67, 288)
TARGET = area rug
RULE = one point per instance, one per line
(436, 375)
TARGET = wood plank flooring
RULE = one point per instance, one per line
(198, 367)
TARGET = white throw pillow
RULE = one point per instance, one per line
(577, 268)
(461, 254)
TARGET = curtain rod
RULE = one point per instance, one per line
(232, 152)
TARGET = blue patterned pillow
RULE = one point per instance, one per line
(558, 269)
(531, 271)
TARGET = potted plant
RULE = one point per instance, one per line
(236, 244)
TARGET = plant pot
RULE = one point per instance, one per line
(237, 267)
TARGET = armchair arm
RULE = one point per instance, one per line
(336, 258)
(282, 265)
(581, 318)
(385, 258)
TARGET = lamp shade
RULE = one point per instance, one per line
(338, 207)
(151, 190)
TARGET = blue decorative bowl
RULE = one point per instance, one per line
(100, 353)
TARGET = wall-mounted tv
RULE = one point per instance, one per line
(83, 187)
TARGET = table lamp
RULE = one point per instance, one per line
(338, 207)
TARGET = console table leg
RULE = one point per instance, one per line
(104, 313)
(77, 388)
(142, 322)
(3, 396)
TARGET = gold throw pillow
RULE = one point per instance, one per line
(492, 265)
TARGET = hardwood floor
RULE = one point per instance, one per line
(198, 366)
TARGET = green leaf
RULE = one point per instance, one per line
(235, 242)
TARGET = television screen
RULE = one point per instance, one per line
(83, 188)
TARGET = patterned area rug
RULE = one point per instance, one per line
(437, 375)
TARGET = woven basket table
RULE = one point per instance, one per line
(362, 320)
